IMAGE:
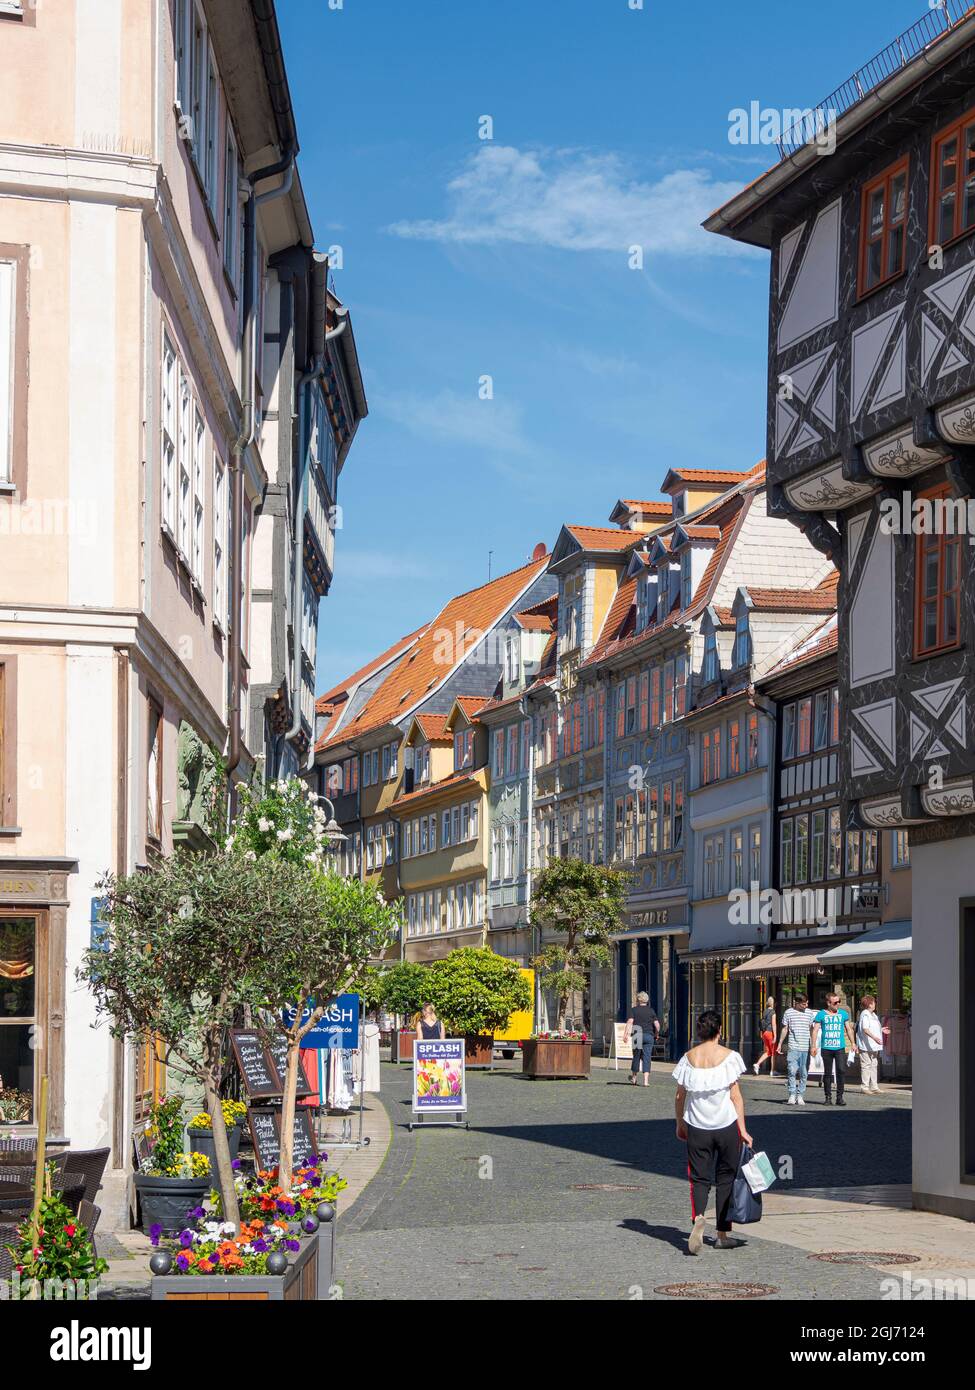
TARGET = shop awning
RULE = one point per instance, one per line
(707, 956)
(892, 941)
(780, 960)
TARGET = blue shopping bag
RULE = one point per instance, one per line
(746, 1206)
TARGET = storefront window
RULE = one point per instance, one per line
(18, 949)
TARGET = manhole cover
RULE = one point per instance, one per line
(867, 1257)
(607, 1187)
(716, 1290)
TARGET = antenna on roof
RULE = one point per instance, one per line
(490, 554)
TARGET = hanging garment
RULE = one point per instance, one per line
(370, 1057)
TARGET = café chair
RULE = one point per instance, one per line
(89, 1165)
(88, 1215)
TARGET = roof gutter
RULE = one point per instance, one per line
(724, 219)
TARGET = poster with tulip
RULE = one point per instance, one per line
(438, 1076)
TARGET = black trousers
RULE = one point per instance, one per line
(708, 1149)
(834, 1057)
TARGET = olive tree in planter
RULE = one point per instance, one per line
(404, 988)
(306, 963)
(179, 958)
(583, 903)
(475, 992)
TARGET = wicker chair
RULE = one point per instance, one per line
(89, 1164)
(88, 1215)
(17, 1150)
(8, 1236)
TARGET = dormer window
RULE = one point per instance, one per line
(685, 579)
(421, 763)
(710, 659)
(680, 503)
(743, 643)
(463, 749)
(643, 598)
(511, 663)
(663, 594)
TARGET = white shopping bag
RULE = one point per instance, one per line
(816, 1067)
(758, 1173)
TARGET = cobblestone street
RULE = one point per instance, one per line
(584, 1193)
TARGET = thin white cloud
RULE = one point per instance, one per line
(356, 565)
(451, 418)
(574, 200)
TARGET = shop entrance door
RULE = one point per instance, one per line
(23, 996)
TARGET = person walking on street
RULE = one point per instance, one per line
(870, 1043)
(710, 1116)
(643, 1026)
(768, 1030)
(833, 1025)
(796, 1025)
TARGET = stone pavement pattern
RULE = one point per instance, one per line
(539, 1227)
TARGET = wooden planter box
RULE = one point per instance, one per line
(308, 1278)
(479, 1051)
(555, 1057)
(402, 1046)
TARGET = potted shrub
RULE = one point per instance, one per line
(171, 1182)
(475, 992)
(16, 1107)
(200, 1130)
(583, 903)
(404, 990)
(55, 1252)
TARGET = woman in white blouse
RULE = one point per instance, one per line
(711, 1118)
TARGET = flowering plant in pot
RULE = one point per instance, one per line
(170, 1180)
(218, 1247)
(200, 1129)
(262, 1196)
(55, 1251)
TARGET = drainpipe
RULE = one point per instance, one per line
(285, 166)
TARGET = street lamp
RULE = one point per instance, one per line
(334, 833)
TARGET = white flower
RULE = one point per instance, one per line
(250, 854)
(285, 834)
(263, 825)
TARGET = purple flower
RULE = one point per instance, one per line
(155, 1231)
(260, 1245)
(292, 1245)
(182, 1260)
(235, 1163)
(285, 1207)
(186, 1239)
(197, 1214)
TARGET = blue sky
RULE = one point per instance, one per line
(508, 258)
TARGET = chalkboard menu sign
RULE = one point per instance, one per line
(257, 1069)
(278, 1048)
(265, 1126)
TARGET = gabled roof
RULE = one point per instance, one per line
(628, 507)
(541, 617)
(719, 477)
(333, 703)
(433, 727)
(440, 648)
(695, 532)
(818, 600)
(446, 784)
(604, 537)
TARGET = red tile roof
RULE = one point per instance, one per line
(605, 537)
(648, 508)
(441, 646)
(615, 626)
(817, 600)
(702, 533)
(433, 726)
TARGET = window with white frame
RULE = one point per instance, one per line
(184, 466)
(685, 579)
(197, 90)
(219, 542)
(309, 618)
(170, 392)
(742, 654)
(231, 210)
(511, 658)
(710, 658)
(737, 859)
(199, 484)
(755, 854)
(8, 318)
